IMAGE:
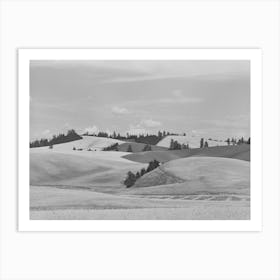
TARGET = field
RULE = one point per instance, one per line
(87, 183)
(192, 140)
(241, 152)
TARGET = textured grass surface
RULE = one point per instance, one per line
(197, 175)
(241, 152)
(79, 168)
(138, 147)
(192, 140)
(51, 203)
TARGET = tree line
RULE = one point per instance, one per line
(115, 147)
(175, 145)
(131, 178)
(150, 139)
(235, 141)
(71, 135)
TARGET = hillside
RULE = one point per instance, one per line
(197, 176)
(79, 168)
(192, 140)
(241, 152)
(87, 142)
(138, 147)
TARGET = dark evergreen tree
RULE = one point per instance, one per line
(152, 165)
(228, 141)
(143, 171)
(201, 142)
(130, 179)
(206, 144)
(137, 176)
(129, 149)
(171, 147)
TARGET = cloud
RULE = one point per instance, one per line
(177, 97)
(92, 129)
(143, 126)
(119, 110)
(150, 123)
(46, 132)
(134, 130)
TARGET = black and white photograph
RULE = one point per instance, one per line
(139, 139)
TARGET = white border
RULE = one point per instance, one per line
(254, 55)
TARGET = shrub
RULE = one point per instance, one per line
(130, 179)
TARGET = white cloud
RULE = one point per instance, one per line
(119, 110)
(46, 132)
(143, 126)
(150, 123)
(178, 97)
(136, 130)
(92, 129)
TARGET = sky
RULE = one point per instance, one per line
(204, 97)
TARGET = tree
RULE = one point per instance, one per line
(228, 141)
(130, 179)
(249, 141)
(201, 142)
(147, 148)
(143, 171)
(159, 134)
(152, 165)
(129, 149)
(137, 176)
(171, 146)
(206, 144)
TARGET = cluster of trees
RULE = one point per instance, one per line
(151, 139)
(147, 148)
(203, 144)
(175, 145)
(113, 147)
(234, 141)
(132, 178)
(71, 135)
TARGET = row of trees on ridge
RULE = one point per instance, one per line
(131, 178)
(71, 135)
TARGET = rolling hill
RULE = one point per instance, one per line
(79, 168)
(241, 152)
(192, 140)
(196, 176)
(88, 142)
(138, 147)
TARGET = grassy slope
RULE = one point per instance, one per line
(55, 204)
(79, 168)
(192, 140)
(88, 142)
(103, 172)
(238, 152)
(196, 176)
(138, 147)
